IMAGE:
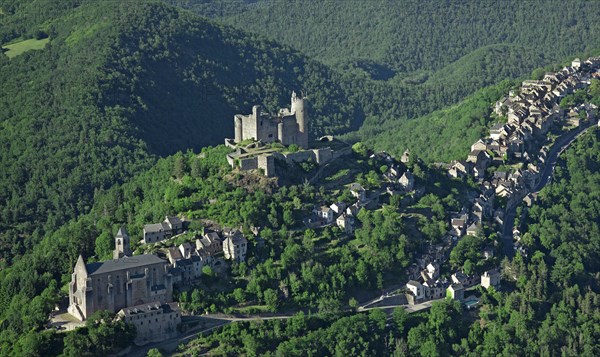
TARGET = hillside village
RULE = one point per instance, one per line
(531, 112)
(506, 167)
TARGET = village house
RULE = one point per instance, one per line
(416, 291)
(407, 181)
(154, 321)
(456, 291)
(235, 246)
(434, 290)
(405, 158)
(459, 224)
(465, 280)
(346, 223)
(352, 210)
(210, 244)
(156, 232)
(473, 229)
(358, 191)
(325, 213)
(490, 278)
(338, 208)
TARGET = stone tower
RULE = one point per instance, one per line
(122, 247)
(298, 107)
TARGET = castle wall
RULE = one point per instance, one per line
(267, 164)
(249, 127)
(248, 164)
(323, 156)
(289, 127)
(290, 131)
(300, 156)
(239, 133)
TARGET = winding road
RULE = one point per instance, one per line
(559, 146)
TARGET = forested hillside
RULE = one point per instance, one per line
(118, 84)
(549, 303)
(411, 36)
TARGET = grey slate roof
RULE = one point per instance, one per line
(153, 228)
(173, 220)
(122, 263)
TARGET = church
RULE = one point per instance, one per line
(119, 283)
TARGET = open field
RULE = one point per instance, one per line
(18, 48)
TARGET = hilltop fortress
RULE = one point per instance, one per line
(288, 127)
(261, 139)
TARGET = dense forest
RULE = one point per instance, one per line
(423, 36)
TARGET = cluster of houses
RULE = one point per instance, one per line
(188, 259)
(530, 113)
(342, 215)
(157, 232)
(139, 288)
(429, 286)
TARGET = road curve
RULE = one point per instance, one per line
(559, 146)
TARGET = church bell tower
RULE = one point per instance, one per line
(122, 247)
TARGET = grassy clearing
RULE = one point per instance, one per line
(18, 48)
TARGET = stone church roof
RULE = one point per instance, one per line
(122, 263)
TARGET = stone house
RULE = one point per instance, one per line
(210, 244)
(153, 233)
(473, 229)
(416, 289)
(325, 213)
(358, 191)
(338, 208)
(407, 181)
(346, 223)
(405, 158)
(235, 246)
(456, 291)
(490, 278)
(465, 280)
(174, 223)
(434, 290)
(154, 321)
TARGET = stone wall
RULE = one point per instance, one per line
(248, 164)
(267, 164)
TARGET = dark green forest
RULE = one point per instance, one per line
(102, 127)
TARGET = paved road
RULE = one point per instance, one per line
(560, 145)
(409, 308)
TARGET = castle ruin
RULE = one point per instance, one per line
(288, 127)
